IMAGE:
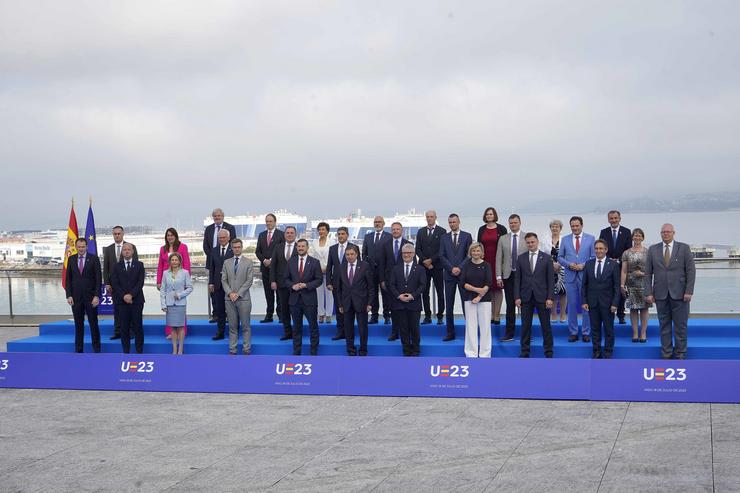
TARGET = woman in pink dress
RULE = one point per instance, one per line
(488, 235)
(171, 245)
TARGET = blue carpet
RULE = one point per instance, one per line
(708, 339)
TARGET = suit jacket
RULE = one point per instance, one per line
(539, 284)
(215, 263)
(182, 285)
(387, 260)
(239, 281)
(128, 282)
(675, 280)
(312, 277)
(265, 251)
(604, 291)
(451, 256)
(371, 252)
(362, 291)
(414, 285)
(208, 235)
(335, 264)
(279, 264)
(568, 255)
(83, 286)
(110, 261)
(503, 253)
(624, 241)
(427, 246)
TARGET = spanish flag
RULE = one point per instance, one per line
(70, 249)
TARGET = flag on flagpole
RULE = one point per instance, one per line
(92, 246)
(69, 248)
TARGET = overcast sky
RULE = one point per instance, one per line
(163, 110)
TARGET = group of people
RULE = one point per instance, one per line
(314, 280)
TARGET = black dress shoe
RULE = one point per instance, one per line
(496, 322)
(337, 337)
(524, 355)
(212, 320)
(373, 320)
(115, 336)
(596, 356)
(266, 320)
(548, 355)
(506, 339)
(440, 321)
(393, 338)
(448, 338)
(362, 353)
(217, 337)
(286, 337)
(572, 338)
(387, 321)
(586, 339)
(427, 320)
(642, 340)
(622, 321)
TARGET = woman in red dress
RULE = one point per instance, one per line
(172, 244)
(488, 235)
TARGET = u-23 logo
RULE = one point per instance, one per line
(137, 366)
(664, 374)
(4, 363)
(293, 368)
(452, 371)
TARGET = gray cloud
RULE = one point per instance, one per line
(162, 110)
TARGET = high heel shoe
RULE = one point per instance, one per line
(643, 340)
(635, 339)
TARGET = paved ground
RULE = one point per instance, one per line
(130, 441)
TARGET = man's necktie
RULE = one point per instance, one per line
(81, 264)
(128, 266)
(341, 253)
(598, 270)
(269, 238)
(431, 231)
(578, 244)
(300, 268)
(118, 253)
(288, 251)
(407, 272)
(614, 238)
(351, 276)
(532, 259)
(236, 264)
(667, 255)
(454, 239)
(223, 251)
(377, 236)
(514, 250)
(395, 250)
(215, 239)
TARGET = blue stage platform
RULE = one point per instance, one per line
(709, 338)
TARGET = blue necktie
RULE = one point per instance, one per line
(395, 251)
(614, 238)
(598, 270)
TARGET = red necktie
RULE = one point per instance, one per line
(269, 238)
(578, 243)
(300, 269)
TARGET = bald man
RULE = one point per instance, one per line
(428, 242)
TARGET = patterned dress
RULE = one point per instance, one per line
(559, 274)
(635, 282)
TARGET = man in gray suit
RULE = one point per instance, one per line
(236, 279)
(506, 266)
(670, 273)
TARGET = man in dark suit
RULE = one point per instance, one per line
(266, 242)
(278, 267)
(427, 250)
(210, 240)
(600, 293)
(354, 294)
(111, 257)
(371, 252)
(618, 239)
(82, 286)
(670, 274)
(390, 257)
(302, 277)
(216, 260)
(334, 265)
(453, 254)
(534, 283)
(128, 296)
(406, 285)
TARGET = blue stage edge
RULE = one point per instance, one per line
(538, 378)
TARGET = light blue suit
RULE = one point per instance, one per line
(574, 279)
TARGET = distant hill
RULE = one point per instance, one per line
(695, 202)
